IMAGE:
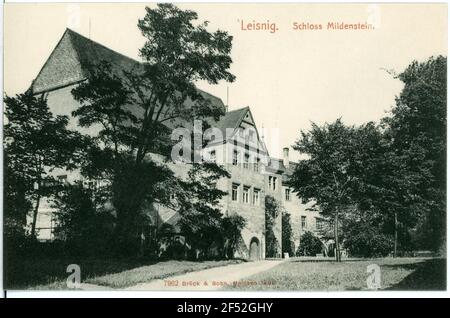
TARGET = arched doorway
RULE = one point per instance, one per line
(254, 251)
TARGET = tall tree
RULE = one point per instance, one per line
(231, 227)
(416, 132)
(340, 170)
(82, 222)
(17, 203)
(136, 108)
(176, 55)
(197, 201)
(287, 245)
(272, 211)
(36, 142)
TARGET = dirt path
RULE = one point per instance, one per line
(208, 279)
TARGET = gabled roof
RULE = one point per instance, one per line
(91, 52)
(70, 61)
(231, 119)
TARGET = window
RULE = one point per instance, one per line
(287, 194)
(319, 224)
(303, 222)
(246, 160)
(235, 158)
(272, 183)
(256, 165)
(212, 156)
(255, 200)
(245, 194)
(234, 192)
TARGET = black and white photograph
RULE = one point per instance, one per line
(225, 147)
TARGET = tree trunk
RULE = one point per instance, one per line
(127, 201)
(395, 234)
(336, 236)
(35, 213)
(127, 239)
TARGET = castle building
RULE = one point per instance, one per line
(233, 142)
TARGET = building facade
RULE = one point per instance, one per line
(233, 141)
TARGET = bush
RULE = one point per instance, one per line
(368, 244)
(363, 237)
(286, 234)
(272, 244)
(310, 245)
(272, 211)
(231, 228)
(175, 249)
(81, 226)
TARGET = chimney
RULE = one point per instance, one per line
(286, 157)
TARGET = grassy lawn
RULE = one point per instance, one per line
(297, 274)
(396, 274)
(46, 273)
(50, 273)
(160, 270)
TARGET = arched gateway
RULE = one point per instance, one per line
(254, 251)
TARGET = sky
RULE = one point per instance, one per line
(289, 78)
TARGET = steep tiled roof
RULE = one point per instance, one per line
(72, 57)
(70, 60)
(231, 119)
(92, 53)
